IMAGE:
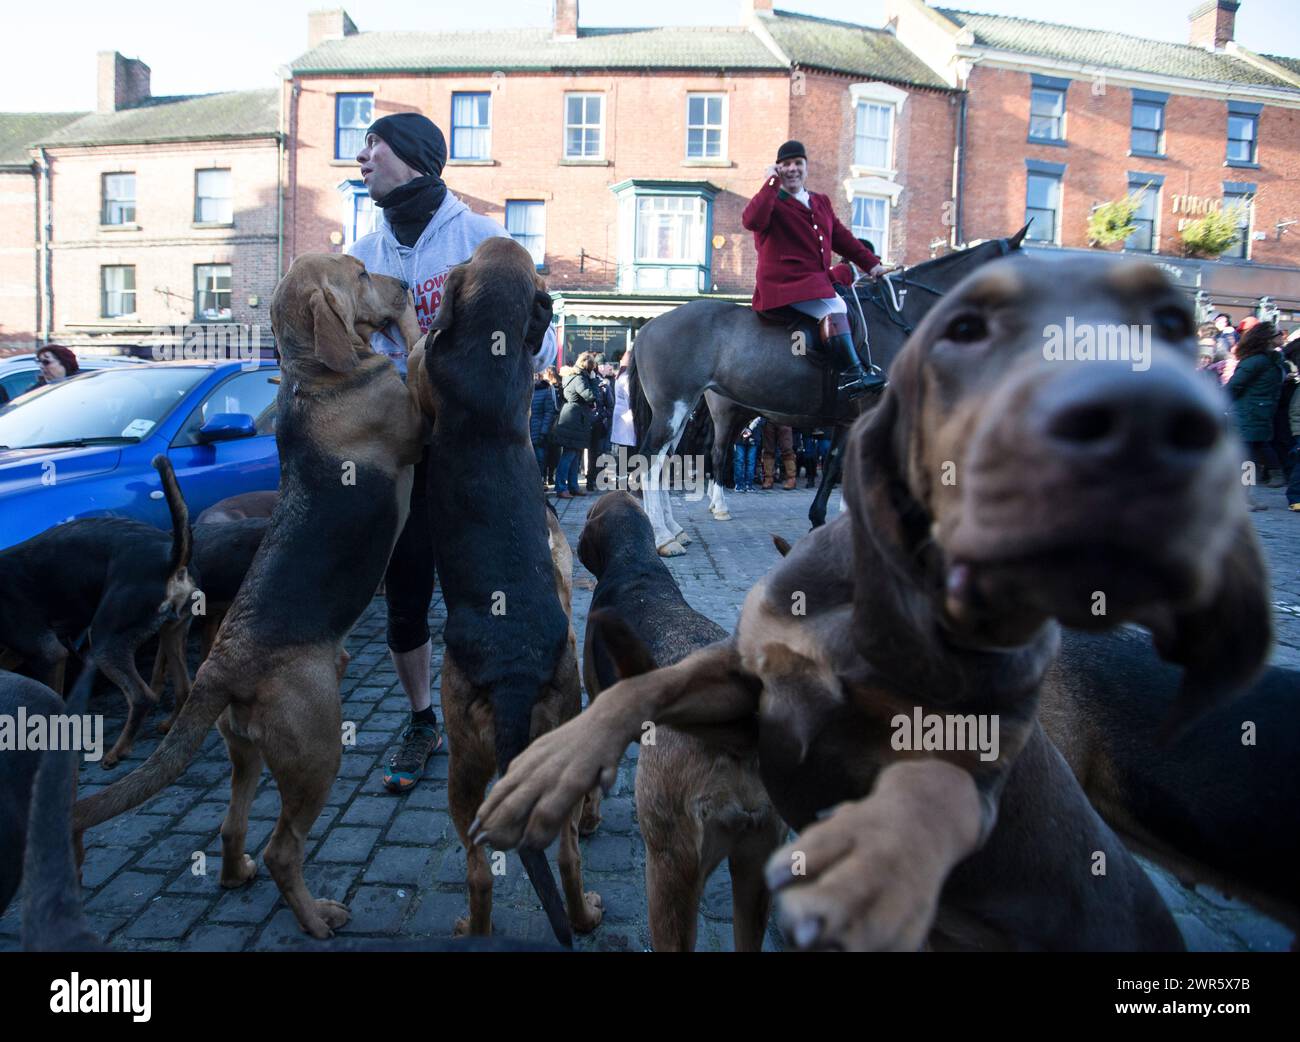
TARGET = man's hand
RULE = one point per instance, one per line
(771, 171)
(881, 269)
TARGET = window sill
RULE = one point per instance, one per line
(717, 163)
(132, 227)
(1147, 155)
(471, 162)
(213, 224)
(1053, 142)
(1240, 164)
(585, 162)
(873, 171)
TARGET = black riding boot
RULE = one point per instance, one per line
(855, 380)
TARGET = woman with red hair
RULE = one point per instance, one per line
(57, 364)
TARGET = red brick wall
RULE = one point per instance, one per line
(645, 137)
(1097, 132)
(822, 117)
(166, 247)
(18, 232)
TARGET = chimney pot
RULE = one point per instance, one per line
(1212, 23)
(328, 25)
(121, 82)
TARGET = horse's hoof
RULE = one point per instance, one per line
(682, 539)
(722, 515)
(672, 548)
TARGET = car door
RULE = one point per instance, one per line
(208, 473)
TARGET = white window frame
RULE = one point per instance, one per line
(539, 259)
(881, 241)
(230, 269)
(600, 125)
(877, 94)
(353, 193)
(229, 198)
(721, 157)
(485, 129)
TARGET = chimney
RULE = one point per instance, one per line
(122, 82)
(1212, 23)
(750, 9)
(564, 15)
(328, 25)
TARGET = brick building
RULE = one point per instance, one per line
(622, 158)
(20, 257)
(1057, 120)
(161, 212)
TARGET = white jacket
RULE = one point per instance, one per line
(622, 431)
(451, 236)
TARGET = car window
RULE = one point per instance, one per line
(251, 393)
(19, 382)
(104, 405)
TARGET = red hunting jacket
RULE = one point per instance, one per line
(795, 244)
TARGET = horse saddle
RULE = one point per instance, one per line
(795, 321)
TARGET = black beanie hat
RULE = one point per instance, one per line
(414, 139)
(790, 150)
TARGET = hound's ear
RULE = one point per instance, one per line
(1015, 240)
(588, 547)
(613, 642)
(538, 321)
(332, 332)
(875, 478)
(1223, 645)
(446, 313)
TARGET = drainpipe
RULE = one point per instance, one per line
(45, 296)
(959, 173)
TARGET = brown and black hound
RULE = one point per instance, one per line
(509, 670)
(349, 434)
(117, 579)
(698, 801)
(996, 488)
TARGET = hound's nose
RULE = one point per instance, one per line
(1108, 414)
(404, 284)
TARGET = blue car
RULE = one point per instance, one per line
(82, 447)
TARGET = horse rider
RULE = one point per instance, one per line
(796, 233)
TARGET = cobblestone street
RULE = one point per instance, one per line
(396, 860)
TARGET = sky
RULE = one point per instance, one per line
(47, 59)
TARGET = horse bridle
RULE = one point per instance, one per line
(898, 298)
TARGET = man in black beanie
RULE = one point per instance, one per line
(425, 232)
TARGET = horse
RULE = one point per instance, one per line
(745, 365)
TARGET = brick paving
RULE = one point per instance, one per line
(151, 876)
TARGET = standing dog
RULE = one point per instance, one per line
(349, 435)
(697, 801)
(999, 486)
(510, 670)
(120, 579)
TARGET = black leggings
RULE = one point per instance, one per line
(408, 583)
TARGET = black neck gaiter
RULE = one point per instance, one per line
(408, 207)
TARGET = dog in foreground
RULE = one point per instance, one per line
(348, 434)
(509, 670)
(699, 799)
(120, 580)
(995, 493)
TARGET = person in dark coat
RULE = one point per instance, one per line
(541, 419)
(1255, 387)
(795, 232)
(573, 428)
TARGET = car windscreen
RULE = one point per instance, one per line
(109, 406)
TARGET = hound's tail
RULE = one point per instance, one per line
(642, 414)
(165, 763)
(53, 919)
(512, 710)
(181, 539)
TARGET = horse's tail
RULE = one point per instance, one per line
(642, 414)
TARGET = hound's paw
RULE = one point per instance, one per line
(328, 916)
(593, 911)
(237, 874)
(461, 928)
(868, 877)
(545, 783)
